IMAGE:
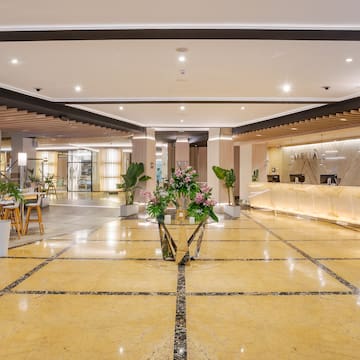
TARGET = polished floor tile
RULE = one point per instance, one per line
(331, 249)
(246, 250)
(116, 250)
(12, 269)
(102, 275)
(348, 269)
(46, 248)
(125, 234)
(313, 234)
(104, 291)
(238, 234)
(265, 276)
(273, 327)
(69, 327)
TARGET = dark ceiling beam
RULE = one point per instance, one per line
(185, 101)
(25, 102)
(174, 34)
(325, 110)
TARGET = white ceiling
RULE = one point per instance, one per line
(244, 70)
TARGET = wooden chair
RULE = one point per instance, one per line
(38, 219)
(12, 212)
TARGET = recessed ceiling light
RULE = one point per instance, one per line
(182, 108)
(258, 135)
(242, 108)
(286, 88)
(14, 61)
(121, 108)
(343, 119)
(181, 120)
(78, 88)
(182, 58)
(348, 60)
(294, 128)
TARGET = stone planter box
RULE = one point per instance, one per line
(128, 210)
(4, 237)
(233, 211)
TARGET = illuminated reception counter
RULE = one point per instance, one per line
(336, 203)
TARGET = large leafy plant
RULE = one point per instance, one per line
(229, 178)
(134, 175)
(10, 189)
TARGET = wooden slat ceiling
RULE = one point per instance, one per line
(31, 124)
(346, 119)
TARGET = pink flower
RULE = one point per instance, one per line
(199, 198)
(171, 181)
(187, 179)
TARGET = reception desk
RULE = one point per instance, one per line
(335, 203)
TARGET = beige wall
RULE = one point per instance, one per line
(259, 160)
(198, 160)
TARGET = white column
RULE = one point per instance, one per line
(144, 150)
(28, 146)
(220, 152)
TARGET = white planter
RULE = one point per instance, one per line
(128, 210)
(233, 211)
(44, 202)
(4, 237)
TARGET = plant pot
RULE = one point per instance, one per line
(233, 211)
(128, 210)
(4, 237)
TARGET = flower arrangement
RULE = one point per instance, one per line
(182, 185)
(158, 201)
(183, 182)
(202, 205)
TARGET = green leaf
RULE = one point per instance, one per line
(219, 172)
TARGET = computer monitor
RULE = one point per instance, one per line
(273, 178)
(300, 178)
(328, 179)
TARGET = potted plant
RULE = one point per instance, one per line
(229, 178)
(131, 180)
(10, 190)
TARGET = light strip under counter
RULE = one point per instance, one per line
(335, 203)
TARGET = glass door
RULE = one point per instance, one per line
(79, 170)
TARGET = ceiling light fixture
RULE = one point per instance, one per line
(348, 60)
(182, 108)
(121, 108)
(343, 119)
(286, 88)
(258, 135)
(181, 120)
(294, 128)
(77, 88)
(182, 57)
(14, 61)
(242, 108)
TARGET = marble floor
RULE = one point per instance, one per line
(264, 287)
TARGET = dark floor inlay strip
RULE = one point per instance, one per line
(109, 259)
(180, 346)
(31, 272)
(107, 293)
(116, 241)
(248, 259)
(269, 293)
(337, 258)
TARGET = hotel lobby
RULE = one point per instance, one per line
(268, 90)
